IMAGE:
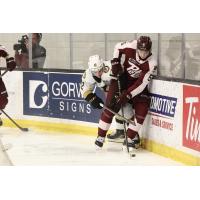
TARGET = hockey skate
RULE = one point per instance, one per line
(99, 142)
(132, 143)
(117, 136)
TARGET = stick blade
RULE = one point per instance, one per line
(24, 129)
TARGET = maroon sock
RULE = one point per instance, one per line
(107, 118)
(131, 133)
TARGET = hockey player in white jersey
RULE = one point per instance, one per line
(99, 74)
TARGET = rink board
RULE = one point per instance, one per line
(52, 101)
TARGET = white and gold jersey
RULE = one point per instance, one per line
(89, 81)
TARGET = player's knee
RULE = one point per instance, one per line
(108, 114)
(140, 119)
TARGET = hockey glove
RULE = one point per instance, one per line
(94, 100)
(116, 67)
(11, 64)
(3, 52)
(119, 100)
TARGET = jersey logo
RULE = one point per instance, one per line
(134, 71)
(132, 61)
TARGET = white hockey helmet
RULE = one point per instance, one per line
(95, 63)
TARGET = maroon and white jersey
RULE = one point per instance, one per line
(138, 72)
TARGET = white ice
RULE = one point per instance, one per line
(43, 148)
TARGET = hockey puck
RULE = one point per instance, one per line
(132, 155)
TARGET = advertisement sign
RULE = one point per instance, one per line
(191, 117)
(162, 111)
(35, 94)
(57, 95)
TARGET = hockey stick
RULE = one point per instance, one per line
(4, 73)
(122, 109)
(117, 115)
(18, 126)
(21, 128)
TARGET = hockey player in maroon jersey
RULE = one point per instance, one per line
(135, 75)
(11, 65)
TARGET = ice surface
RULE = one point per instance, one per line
(43, 148)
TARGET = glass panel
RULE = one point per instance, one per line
(49, 50)
(10, 40)
(57, 47)
(171, 57)
(113, 39)
(71, 51)
(85, 45)
(192, 56)
(26, 48)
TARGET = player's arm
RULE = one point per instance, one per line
(144, 79)
(135, 89)
(119, 50)
(87, 88)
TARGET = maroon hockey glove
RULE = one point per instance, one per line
(3, 52)
(3, 101)
(116, 67)
(11, 64)
(119, 101)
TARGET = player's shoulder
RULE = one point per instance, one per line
(133, 44)
(2, 47)
(127, 44)
(87, 76)
(152, 62)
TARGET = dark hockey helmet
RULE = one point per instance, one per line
(144, 43)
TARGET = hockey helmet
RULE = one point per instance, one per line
(95, 63)
(144, 43)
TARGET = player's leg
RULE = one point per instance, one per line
(141, 110)
(104, 125)
(3, 98)
(119, 134)
(106, 116)
(1, 122)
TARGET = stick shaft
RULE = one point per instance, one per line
(122, 109)
(21, 128)
(118, 115)
(3, 73)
